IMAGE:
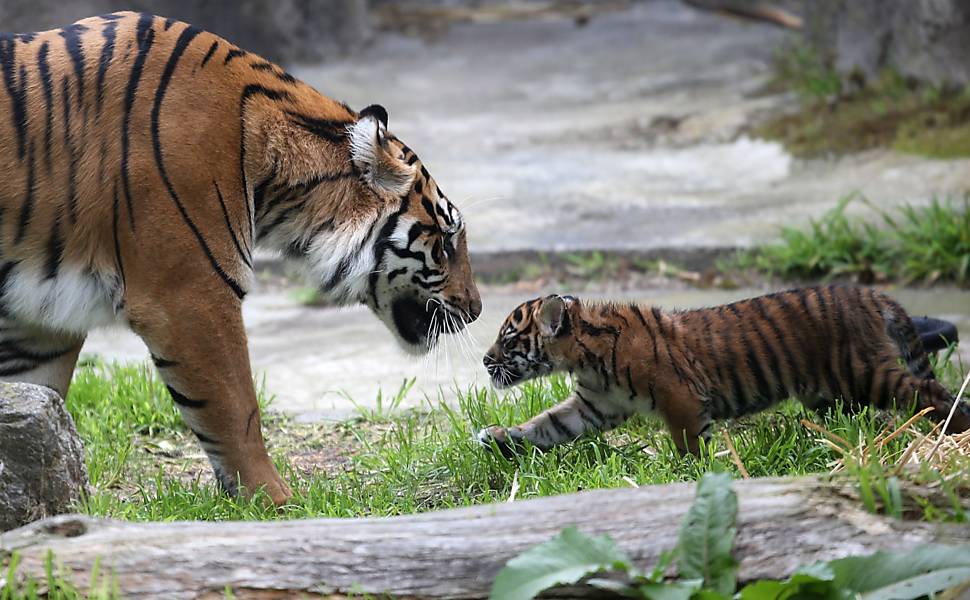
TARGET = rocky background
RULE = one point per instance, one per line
(284, 31)
(922, 39)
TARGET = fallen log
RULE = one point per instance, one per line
(782, 523)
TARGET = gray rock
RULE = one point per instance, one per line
(928, 40)
(283, 31)
(42, 469)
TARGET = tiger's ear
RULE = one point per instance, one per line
(384, 173)
(553, 317)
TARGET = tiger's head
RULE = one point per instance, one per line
(400, 246)
(535, 340)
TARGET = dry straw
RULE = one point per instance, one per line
(947, 454)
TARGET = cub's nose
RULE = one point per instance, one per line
(489, 360)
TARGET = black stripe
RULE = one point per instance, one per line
(183, 401)
(145, 37)
(381, 245)
(840, 362)
(17, 88)
(44, 70)
(5, 272)
(281, 218)
(559, 426)
(185, 38)
(234, 53)
(646, 326)
(204, 438)
(225, 213)
(115, 217)
(212, 50)
(72, 40)
(55, 248)
(259, 192)
(168, 24)
(252, 417)
(71, 154)
(780, 339)
(343, 269)
(629, 383)
(27, 206)
(276, 71)
(248, 92)
(877, 382)
(773, 375)
(331, 130)
(599, 415)
(762, 385)
(107, 52)
(163, 363)
(10, 350)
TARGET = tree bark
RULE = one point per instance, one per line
(782, 523)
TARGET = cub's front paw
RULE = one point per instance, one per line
(506, 441)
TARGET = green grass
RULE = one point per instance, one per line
(400, 462)
(840, 115)
(911, 244)
(143, 464)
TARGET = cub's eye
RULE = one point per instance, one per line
(508, 344)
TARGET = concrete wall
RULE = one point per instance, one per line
(284, 31)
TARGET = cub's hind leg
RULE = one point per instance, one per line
(917, 380)
(198, 344)
(902, 388)
(30, 354)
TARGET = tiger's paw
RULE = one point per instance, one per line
(506, 442)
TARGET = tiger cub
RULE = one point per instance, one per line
(693, 367)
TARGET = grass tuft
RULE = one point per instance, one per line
(915, 244)
(840, 116)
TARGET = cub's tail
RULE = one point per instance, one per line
(936, 334)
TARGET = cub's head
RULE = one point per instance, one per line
(420, 283)
(534, 341)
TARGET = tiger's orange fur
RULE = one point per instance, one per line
(693, 367)
(142, 160)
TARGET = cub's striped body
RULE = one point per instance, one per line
(693, 367)
(143, 160)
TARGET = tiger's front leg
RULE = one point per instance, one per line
(198, 344)
(560, 424)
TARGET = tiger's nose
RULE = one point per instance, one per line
(489, 360)
(475, 306)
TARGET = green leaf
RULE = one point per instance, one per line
(707, 535)
(672, 590)
(903, 575)
(799, 585)
(564, 559)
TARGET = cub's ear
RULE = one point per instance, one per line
(553, 317)
(385, 173)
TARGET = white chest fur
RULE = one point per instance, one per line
(74, 301)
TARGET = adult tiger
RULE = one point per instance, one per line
(142, 160)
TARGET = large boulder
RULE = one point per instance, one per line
(927, 40)
(283, 31)
(41, 457)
